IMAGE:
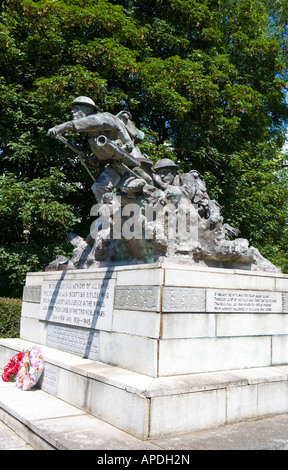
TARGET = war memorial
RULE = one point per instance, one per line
(163, 321)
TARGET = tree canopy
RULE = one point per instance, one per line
(208, 76)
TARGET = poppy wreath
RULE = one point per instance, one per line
(30, 370)
(11, 369)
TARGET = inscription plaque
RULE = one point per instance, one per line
(243, 301)
(77, 341)
(49, 379)
(87, 304)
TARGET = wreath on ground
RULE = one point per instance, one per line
(11, 369)
(25, 368)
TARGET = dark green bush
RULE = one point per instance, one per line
(10, 313)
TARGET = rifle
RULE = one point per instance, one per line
(82, 155)
(126, 160)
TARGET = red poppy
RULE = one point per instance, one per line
(11, 369)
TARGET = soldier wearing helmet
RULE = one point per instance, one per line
(166, 171)
(190, 184)
(86, 119)
(119, 129)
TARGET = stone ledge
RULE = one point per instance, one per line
(149, 386)
(111, 375)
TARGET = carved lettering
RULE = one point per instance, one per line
(244, 301)
(77, 341)
(78, 303)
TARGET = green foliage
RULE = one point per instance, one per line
(10, 312)
(207, 76)
(35, 221)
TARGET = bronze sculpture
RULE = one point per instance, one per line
(147, 214)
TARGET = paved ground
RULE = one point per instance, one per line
(9, 440)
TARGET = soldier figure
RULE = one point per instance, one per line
(190, 184)
(119, 131)
(166, 171)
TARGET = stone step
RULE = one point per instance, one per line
(9, 440)
(147, 407)
(37, 420)
(48, 423)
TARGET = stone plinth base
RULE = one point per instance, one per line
(161, 320)
(160, 349)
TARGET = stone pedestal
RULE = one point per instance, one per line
(161, 320)
(160, 349)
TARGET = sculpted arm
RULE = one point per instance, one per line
(61, 129)
(85, 124)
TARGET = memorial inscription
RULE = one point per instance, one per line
(248, 301)
(74, 340)
(49, 379)
(78, 303)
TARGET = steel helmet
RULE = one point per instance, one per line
(83, 100)
(165, 163)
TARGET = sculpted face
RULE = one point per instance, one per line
(167, 175)
(80, 111)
